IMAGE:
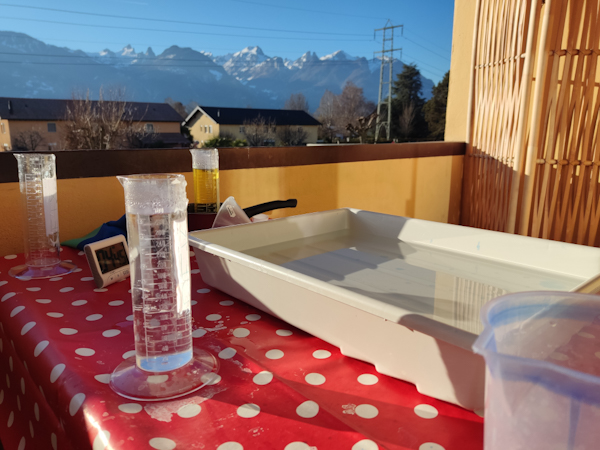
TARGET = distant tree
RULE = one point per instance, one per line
(183, 112)
(350, 106)
(297, 102)
(105, 124)
(406, 93)
(27, 140)
(325, 114)
(289, 135)
(259, 131)
(435, 109)
(221, 141)
(177, 106)
(406, 120)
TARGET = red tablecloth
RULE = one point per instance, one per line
(279, 388)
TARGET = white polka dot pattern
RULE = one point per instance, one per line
(308, 409)
(365, 444)
(316, 379)
(426, 411)
(248, 410)
(76, 336)
(161, 443)
(366, 411)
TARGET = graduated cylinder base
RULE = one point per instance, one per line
(25, 272)
(131, 382)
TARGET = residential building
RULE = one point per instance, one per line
(207, 122)
(21, 116)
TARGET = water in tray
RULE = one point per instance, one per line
(420, 278)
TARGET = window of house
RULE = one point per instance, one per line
(150, 128)
(2, 128)
(299, 128)
(242, 129)
(210, 128)
(51, 127)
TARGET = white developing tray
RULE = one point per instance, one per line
(403, 294)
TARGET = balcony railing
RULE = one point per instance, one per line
(421, 180)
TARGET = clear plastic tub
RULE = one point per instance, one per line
(542, 351)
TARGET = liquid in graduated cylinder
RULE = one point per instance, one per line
(161, 293)
(206, 190)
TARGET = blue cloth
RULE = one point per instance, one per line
(106, 230)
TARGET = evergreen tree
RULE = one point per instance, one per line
(435, 109)
(407, 104)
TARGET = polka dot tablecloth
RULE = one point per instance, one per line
(277, 388)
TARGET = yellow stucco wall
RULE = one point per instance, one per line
(203, 128)
(460, 72)
(424, 188)
(55, 140)
(4, 135)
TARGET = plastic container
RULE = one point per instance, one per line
(400, 293)
(542, 351)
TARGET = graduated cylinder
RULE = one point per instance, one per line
(37, 183)
(156, 208)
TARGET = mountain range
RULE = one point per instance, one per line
(248, 78)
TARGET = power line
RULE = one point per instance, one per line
(178, 22)
(182, 31)
(422, 46)
(429, 42)
(308, 10)
(421, 62)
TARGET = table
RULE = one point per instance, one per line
(278, 387)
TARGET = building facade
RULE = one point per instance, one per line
(22, 118)
(206, 123)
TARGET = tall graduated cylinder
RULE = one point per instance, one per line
(156, 208)
(205, 166)
(37, 182)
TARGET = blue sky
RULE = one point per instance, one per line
(285, 28)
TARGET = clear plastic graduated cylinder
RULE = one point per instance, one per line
(37, 183)
(160, 270)
(205, 166)
(166, 365)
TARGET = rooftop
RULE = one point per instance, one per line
(237, 116)
(51, 109)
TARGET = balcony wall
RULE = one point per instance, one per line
(421, 180)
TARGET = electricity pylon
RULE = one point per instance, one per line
(389, 60)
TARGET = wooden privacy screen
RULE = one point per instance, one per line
(497, 96)
(563, 193)
(532, 162)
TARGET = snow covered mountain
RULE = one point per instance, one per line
(31, 68)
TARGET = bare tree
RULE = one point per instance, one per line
(177, 106)
(288, 135)
(297, 102)
(259, 131)
(104, 124)
(340, 114)
(351, 106)
(407, 119)
(27, 140)
(325, 113)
